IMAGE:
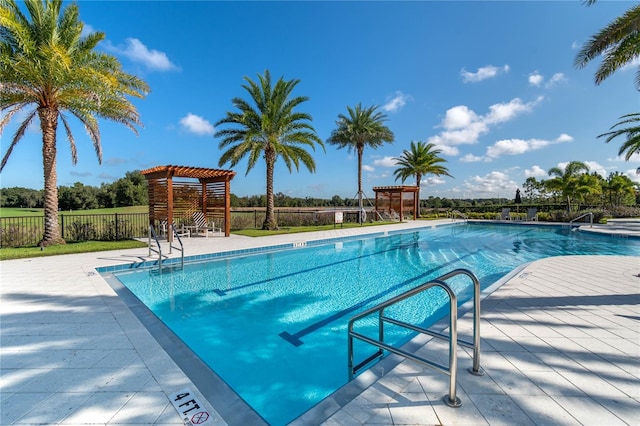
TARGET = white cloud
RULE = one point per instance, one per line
(564, 138)
(499, 113)
(520, 146)
(495, 183)
(447, 150)
(135, 50)
(432, 180)
(196, 124)
(459, 117)
(575, 45)
(594, 166)
(535, 78)
(463, 126)
(536, 171)
(397, 102)
(385, 162)
(633, 174)
(368, 168)
(470, 158)
(483, 73)
(555, 79)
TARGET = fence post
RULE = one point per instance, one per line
(117, 231)
(255, 218)
(62, 224)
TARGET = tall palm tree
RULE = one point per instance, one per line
(421, 160)
(45, 62)
(566, 181)
(632, 144)
(270, 129)
(362, 127)
(617, 43)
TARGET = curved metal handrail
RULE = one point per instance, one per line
(451, 370)
(590, 214)
(152, 234)
(181, 248)
(455, 213)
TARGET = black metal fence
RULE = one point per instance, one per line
(28, 230)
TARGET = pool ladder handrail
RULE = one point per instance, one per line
(455, 213)
(590, 214)
(181, 248)
(451, 399)
(152, 234)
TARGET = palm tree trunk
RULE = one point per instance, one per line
(269, 220)
(360, 151)
(49, 124)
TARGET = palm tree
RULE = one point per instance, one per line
(566, 181)
(632, 145)
(362, 127)
(45, 62)
(617, 43)
(270, 129)
(421, 160)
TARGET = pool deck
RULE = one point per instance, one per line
(560, 345)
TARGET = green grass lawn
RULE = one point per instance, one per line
(7, 253)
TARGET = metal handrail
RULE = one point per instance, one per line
(458, 213)
(152, 233)
(181, 248)
(590, 214)
(451, 398)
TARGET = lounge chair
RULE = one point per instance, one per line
(201, 226)
(505, 215)
(532, 214)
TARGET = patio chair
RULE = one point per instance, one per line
(201, 226)
(532, 214)
(505, 215)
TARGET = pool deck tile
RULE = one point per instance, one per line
(560, 345)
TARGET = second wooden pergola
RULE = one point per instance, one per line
(400, 199)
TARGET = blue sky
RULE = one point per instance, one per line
(492, 83)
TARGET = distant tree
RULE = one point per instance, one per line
(21, 197)
(566, 181)
(46, 62)
(588, 188)
(269, 129)
(422, 159)
(620, 190)
(533, 189)
(362, 127)
(77, 197)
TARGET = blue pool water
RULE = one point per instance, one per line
(273, 325)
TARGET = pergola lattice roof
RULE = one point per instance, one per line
(189, 172)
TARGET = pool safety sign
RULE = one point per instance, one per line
(190, 409)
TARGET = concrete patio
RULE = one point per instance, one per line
(560, 345)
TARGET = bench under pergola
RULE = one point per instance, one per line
(176, 192)
(400, 199)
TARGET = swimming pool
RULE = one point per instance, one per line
(273, 325)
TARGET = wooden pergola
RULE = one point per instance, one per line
(399, 199)
(174, 195)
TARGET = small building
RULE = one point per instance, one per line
(396, 202)
(176, 192)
